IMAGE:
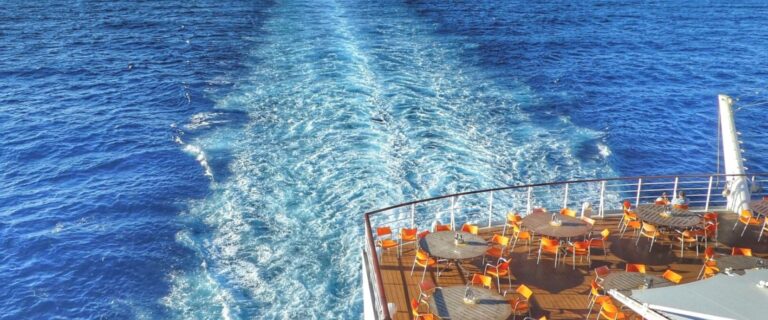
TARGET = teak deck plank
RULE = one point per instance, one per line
(562, 293)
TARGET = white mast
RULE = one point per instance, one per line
(739, 196)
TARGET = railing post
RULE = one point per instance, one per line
(565, 198)
(490, 208)
(602, 199)
(413, 215)
(709, 194)
(453, 222)
(639, 187)
(674, 189)
(530, 198)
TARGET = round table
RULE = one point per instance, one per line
(625, 282)
(740, 262)
(651, 213)
(442, 245)
(539, 222)
(448, 303)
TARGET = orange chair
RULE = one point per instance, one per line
(610, 311)
(568, 212)
(672, 276)
(384, 239)
(690, 238)
(601, 241)
(426, 289)
(741, 252)
(709, 260)
(649, 231)
(580, 248)
(548, 245)
(498, 244)
(513, 219)
(747, 219)
(629, 219)
(501, 269)
(521, 304)
(635, 267)
(415, 304)
(601, 272)
(681, 206)
(708, 232)
(595, 297)
(479, 279)
(422, 259)
(443, 227)
(469, 228)
(524, 235)
(709, 271)
(407, 236)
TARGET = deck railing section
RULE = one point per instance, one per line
(489, 207)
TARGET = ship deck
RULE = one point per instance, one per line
(561, 293)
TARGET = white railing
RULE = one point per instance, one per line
(489, 207)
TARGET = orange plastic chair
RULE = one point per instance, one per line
(635, 267)
(548, 245)
(688, 237)
(710, 271)
(672, 276)
(422, 259)
(498, 244)
(610, 311)
(384, 239)
(442, 227)
(568, 212)
(469, 228)
(501, 269)
(649, 231)
(595, 297)
(580, 248)
(741, 252)
(521, 304)
(407, 236)
(601, 272)
(627, 218)
(415, 304)
(747, 219)
(513, 219)
(524, 235)
(681, 206)
(600, 242)
(479, 279)
(709, 260)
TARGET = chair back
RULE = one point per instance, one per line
(469, 228)
(649, 228)
(500, 240)
(595, 288)
(548, 242)
(513, 218)
(672, 276)
(588, 220)
(741, 252)
(605, 234)
(709, 253)
(524, 291)
(482, 280)
(415, 307)
(408, 233)
(383, 231)
(602, 271)
(681, 206)
(626, 205)
(635, 267)
(568, 212)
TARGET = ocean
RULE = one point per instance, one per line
(213, 159)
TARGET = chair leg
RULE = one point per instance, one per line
(652, 241)
(745, 229)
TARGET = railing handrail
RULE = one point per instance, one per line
(372, 245)
(459, 194)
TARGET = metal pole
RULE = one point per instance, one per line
(453, 222)
(674, 189)
(565, 198)
(709, 193)
(602, 199)
(490, 208)
(639, 187)
(530, 196)
(413, 215)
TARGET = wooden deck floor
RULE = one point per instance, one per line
(561, 293)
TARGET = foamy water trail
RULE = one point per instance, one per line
(347, 113)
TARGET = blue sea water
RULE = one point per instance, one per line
(212, 159)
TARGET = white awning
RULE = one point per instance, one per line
(723, 296)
